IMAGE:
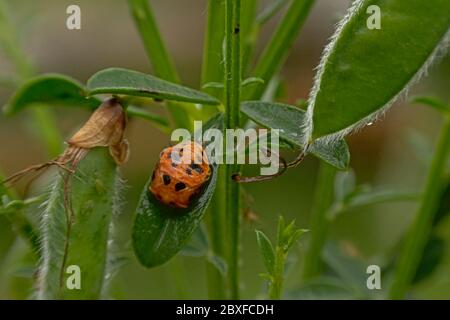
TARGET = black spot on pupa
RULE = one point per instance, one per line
(174, 165)
(196, 167)
(237, 29)
(166, 179)
(180, 186)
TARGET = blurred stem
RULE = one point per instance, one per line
(212, 67)
(178, 275)
(212, 71)
(418, 234)
(232, 113)
(323, 197)
(158, 55)
(42, 117)
(276, 51)
(217, 232)
(248, 31)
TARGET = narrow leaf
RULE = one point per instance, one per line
(433, 102)
(129, 82)
(289, 120)
(219, 263)
(52, 89)
(267, 251)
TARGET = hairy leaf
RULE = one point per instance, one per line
(92, 193)
(364, 70)
(289, 120)
(134, 83)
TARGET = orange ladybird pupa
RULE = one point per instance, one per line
(180, 174)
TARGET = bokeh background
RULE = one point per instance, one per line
(383, 154)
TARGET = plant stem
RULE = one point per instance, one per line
(217, 232)
(419, 231)
(248, 31)
(232, 113)
(276, 285)
(212, 67)
(323, 197)
(212, 71)
(276, 51)
(158, 55)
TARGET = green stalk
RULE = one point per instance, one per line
(212, 71)
(276, 285)
(232, 113)
(323, 198)
(212, 67)
(217, 233)
(420, 229)
(276, 51)
(158, 55)
(248, 31)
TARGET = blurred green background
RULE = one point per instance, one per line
(382, 154)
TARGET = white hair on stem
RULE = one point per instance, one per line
(307, 127)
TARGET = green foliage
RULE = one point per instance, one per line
(93, 194)
(51, 89)
(60, 90)
(351, 87)
(433, 102)
(129, 82)
(199, 246)
(290, 121)
(274, 258)
(276, 51)
(159, 231)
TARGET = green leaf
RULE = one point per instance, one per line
(159, 231)
(433, 255)
(380, 196)
(270, 11)
(198, 245)
(349, 269)
(60, 90)
(219, 263)
(215, 85)
(93, 196)
(433, 102)
(443, 210)
(344, 185)
(133, 83)
(335, 153)
(266, 250)
(252, 81)
(364, 71)
(290, 120)
(152, 117)
(52, 89)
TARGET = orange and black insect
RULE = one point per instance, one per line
(180, 173)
